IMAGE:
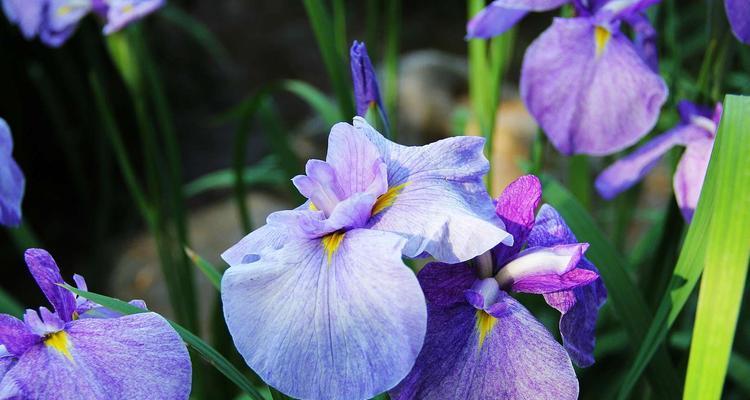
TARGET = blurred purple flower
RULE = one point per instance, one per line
(591, 89)
(54, 21)
(12, 181)
(319, 301)
(366, 88)
(696, 131)
(80, 352)
(483, 344)
(738, 13)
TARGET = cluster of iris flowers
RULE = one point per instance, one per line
(320, 302)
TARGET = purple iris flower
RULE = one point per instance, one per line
(591, 89)
(54, 21)
(12, 181)
(82, 351)
(319, 301)
(738, 13)
(696, 131)
(483, 344)
(366, 88)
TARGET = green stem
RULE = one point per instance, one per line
(390, 87)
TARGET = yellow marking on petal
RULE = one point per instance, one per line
(59, 341)
(485, 323)
(76, 315)
(312, 207)
(127, 9)
(601, 37)
(64, 10)
(386, 199)
(331, 243)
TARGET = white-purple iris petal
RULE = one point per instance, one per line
(123, 12)
(319, 301)
(696, 132)
(475, 325)
(59, 355)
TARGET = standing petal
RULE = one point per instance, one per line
(689, 176)
(645, 39)
(501, 15)
(589, 89)
(133, 357)
(356, 160)
(738, 13)
(63, 14)
(47, 275)
(436, 198)
(469, 354)
(516, 207)
(337, 318)
(12, 181)
(579, 307)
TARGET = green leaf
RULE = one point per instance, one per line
(727, 244)
(265, 172)
(207, 352)
(624, 296)
(199, 32)
(316, 99)
(9, 305)
(726, 171)
(276, 395)
(209, 270)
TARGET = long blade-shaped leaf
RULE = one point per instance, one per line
(624, 296)
(316, 99)
(730, 150)
(209, 271)
(206, 351)
(8, 305)
(265, 172)
(727, 253)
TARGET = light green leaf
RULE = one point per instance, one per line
(724, 200)
(207, 352)
(624, 296)
(9, 305)
(209, 270)
(727, 245)
(265, 172)
(316, 99)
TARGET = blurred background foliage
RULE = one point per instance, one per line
(245, 86)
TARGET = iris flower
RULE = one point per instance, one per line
(591, 89)
(83, 351)
(483, 344)
(54, 21)
(319, 301)
(12, 181)
(696, 131)
(738, 13)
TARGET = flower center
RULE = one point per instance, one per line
(60, 342)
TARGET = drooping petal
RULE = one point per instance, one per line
(493, 20)
(47, 275)
(689, 176)
(27, 14)
(337, 318)
(366, 90)
(248, 250)
(436, 198)
(445, 284)
(579, 307)
(516, 207)
(629, 170)
(589, 89)
(133, 357)
(12, 181)
(62, 14)
(55, 38)
(469, 354)
(123, 12)
(6, 362)
(738, 13)
(15, 337)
